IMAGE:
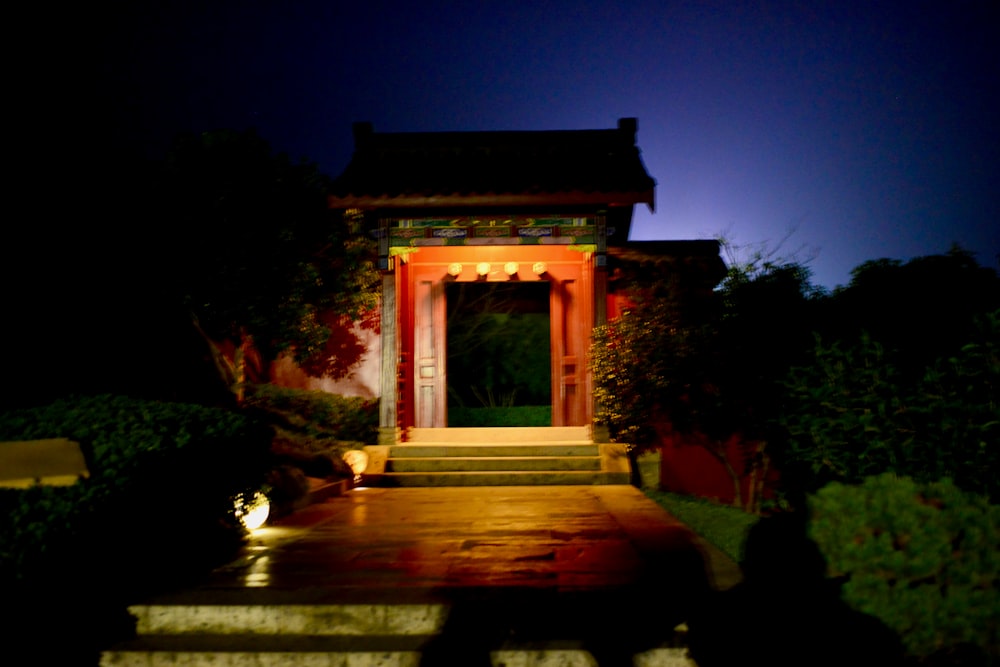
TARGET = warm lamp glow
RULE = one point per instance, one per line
(483, 268)
(539, 268)
(357, 460)
(510, 268)
(253, 513)
(454, 269)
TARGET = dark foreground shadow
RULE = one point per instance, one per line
(786, 612)
(612, 624)
(613, 628)
(55, 626)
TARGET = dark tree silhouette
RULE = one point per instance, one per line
(250, 247)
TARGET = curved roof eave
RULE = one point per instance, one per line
(465, 200)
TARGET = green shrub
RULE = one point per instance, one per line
(627, 381)
(855, 411)
(923, 558)
(515, 415)
(317, 414)
(162, 480)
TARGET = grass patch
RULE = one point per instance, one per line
(519, 415)
(723, 526)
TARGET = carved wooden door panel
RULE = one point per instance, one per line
(429, 353)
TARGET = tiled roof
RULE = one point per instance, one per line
(697, 263)
(438, 169)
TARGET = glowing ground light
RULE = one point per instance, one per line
(254, 513)
(357, 461)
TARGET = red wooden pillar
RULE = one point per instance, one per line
(571, 310)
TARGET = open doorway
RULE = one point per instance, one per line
(499, 354)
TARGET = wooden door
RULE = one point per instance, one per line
(429, 353)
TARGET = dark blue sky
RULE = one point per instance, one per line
(856, 130)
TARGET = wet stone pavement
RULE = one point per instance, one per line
(596, 564)
(377, 544)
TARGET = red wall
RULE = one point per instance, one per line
(688, 468)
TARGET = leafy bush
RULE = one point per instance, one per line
(923, 558)
(854, 412)
(316, 414)
(312, 432)
(158, 470)
(706, 374)
(627, 381)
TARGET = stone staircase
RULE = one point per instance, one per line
(270, 625)
(265, 635)
(531, 456)
(342, 635)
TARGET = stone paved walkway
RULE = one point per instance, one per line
(373, 543)
(601, 564)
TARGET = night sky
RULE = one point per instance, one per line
(839, 131)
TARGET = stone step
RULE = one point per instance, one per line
(499, 478)
(505, 434)
(224, 635)
(348, 635)
(493, 463)
(230, 651)
(438, 450)
(294, 619)
(257, 649)
(526, 464)
(495, 457)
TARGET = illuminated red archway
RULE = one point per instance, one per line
(421, 277)
(432, 199)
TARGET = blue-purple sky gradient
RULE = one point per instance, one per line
(857, 130)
